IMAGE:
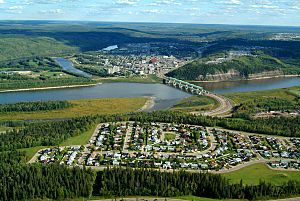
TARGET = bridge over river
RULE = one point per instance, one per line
(183, 85)
(224, 104)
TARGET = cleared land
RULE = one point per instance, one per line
(81, 139)
(170, 136)
(195, 104)
(295, 90)
(254, 173)
(82, 108)
(287, 93)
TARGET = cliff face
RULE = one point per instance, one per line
(236, 75)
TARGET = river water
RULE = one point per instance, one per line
(165, 96)
(250, 85)
(68, 66)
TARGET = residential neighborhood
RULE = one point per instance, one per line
(174, 146)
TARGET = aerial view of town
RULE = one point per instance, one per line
(174, 146)
(149, 100)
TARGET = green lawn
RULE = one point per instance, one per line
(30, 152)
(82, 108)
(195, 103)
(170, 136)
(82, 139)
(295, 90)
(254, 173)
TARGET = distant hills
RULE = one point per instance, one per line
(219, 67)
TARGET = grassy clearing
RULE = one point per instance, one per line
(4, 128)
(285, 93)
(170, 136)
(82, 139)
(77, 140)
(254, 173)
(82, 108)
(30, 152)
(195, 103)
(295, 90)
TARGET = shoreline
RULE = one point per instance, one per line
(249, 79)
(49, 88)
(149, 104)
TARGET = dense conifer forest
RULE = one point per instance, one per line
(34, 106)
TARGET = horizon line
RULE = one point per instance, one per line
(148, 22)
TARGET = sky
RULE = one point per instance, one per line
(246, 12)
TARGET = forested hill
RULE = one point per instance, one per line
(16, 47)
(223, 67)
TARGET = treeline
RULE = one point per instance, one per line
(36, 83)
(35, 64)
(47, 133)
(21, 182)
(129, 182)
(54, 132)
(34, 106)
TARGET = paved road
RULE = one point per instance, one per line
(225, 107)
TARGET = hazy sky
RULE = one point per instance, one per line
(270, 12)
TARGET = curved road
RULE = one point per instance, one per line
(224, 109)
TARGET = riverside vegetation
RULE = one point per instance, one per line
(69, 109)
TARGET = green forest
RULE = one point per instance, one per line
(245, 65)
(12, 83)
(23, 182)
(34, 106)
(19, 47)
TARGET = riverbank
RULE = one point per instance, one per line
(84, 107)
(148, 105)
(48, 88)
(248, 79)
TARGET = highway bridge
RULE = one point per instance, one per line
(191, 88)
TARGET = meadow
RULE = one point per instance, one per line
(195, 103)
(81, 108)
(252, 174)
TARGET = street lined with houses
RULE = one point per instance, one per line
(170, 146)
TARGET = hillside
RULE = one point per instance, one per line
(17, 47)
(223, 67)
